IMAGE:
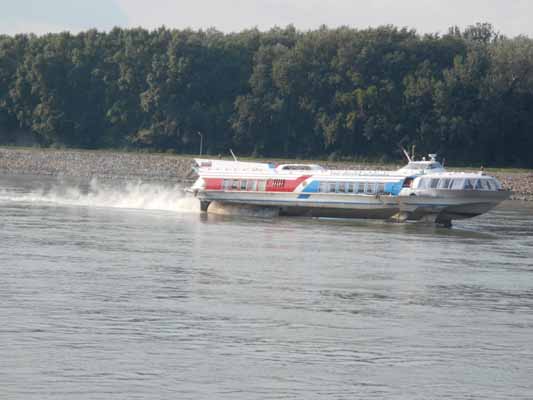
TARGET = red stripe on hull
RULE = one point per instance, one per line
(213, 183)
(284, 185)
(272, 185)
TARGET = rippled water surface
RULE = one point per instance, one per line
(125, 291)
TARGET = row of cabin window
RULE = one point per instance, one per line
(246, 184)
(352, 187)
(459, 183)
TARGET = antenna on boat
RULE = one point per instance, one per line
(405, 153)
(233, 155)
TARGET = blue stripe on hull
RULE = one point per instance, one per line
(393, 188)
(311, 187)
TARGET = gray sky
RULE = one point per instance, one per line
(510, 17)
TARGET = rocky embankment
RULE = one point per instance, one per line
(521, 183)
(99, 164)
(106, 164)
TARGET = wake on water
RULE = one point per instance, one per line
(125, 195)
(242, 210)
(113, 194)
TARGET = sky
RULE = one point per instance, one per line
(509, 17)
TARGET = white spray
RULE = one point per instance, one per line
(129, 195)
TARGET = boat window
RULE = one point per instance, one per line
(381, 188)
(360, 187)
(252, 184)
(349, 187)
(484, 184)
(407, 182)
(423, 183)
(261, 185)
(457, 184)
(444, 183)
(493, 184)
(434, 183)
(226, 184)
(333, 187)
(434, 165)
(243, 184)
(235, 184)
(370, 188)
(323, 187)
(297, 167)
(341, 187)
(478, 185)
(469, 184)
(415, 166)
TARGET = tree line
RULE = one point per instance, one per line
(467, 94)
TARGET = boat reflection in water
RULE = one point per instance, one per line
(420, 191)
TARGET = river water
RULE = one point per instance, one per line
(114, 290)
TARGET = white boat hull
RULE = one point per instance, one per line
(441, 206)
(448, 205)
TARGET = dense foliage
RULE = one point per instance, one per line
(467, 95)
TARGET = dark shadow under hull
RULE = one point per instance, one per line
(331, 212)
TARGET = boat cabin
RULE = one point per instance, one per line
(423, 166)
(458, 183)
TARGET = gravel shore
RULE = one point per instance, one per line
(99, 164)
(162, 167)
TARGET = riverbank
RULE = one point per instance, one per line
(169, 167)
(99, 164)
